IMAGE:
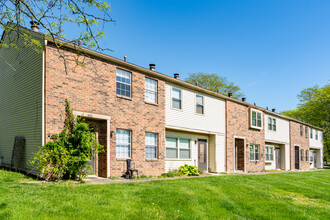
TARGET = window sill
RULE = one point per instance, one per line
(255, 127)
(123, 159)
(269, 161)
(150, 103)
(151, 160)
(124, 97)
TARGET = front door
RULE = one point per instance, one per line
(202, 154)
(278, 158)
(296, 158)
(239, 154)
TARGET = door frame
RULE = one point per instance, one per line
(206, 153)
(234, 155)
(99, 117)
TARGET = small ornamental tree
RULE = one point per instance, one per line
(66, 156)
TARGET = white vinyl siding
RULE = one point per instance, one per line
(123, 143)
(254, 152)
(150, 90)
(151, 145)
(282, 133)
(21, 101)
(123, 84)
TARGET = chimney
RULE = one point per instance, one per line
(230, 94)
(243, 99)
(34, 26)
(255, 104)
(125, 58)
(273, 109)
(152, 67)
(176, 75)
(196, 83)
(218, 91)
(267, 108)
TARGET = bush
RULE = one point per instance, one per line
(189, 170)
(143, 176)
(171, 173)
(67, 155)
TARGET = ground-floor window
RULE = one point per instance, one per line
(178, 148)
(306, 155)
(301, 155)
(151, 145)
(254, 152)
(311, 156)
(269, 153)
(123, 143)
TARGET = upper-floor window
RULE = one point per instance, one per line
(177, 148)
(254, 152)
(123, 83)
(301, 130)
(151, 145)
(199, 104)
(150, 90)
(301, 155)
(269, 153)
(176, 98)
(311, 131)
(316, 135)
(256, 121)
(306, 132)
(123, 143)
(271, 124)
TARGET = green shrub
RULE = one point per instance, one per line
(189, 170)
(143, 176)
(67, 154)
(171, 173)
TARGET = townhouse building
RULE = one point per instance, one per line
(157, 121)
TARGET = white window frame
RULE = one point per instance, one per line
(269, 147)
(306, 156)
(130, 85)
(311, 133)
(251, 120)
(155, 92)
(316, 135)
(155, 146)
(272, 124)
(180, 109)
(254, 152)
(178, 149)
(203, 104)
(306, 132)
(301, 130)
(130, 144)
(311, 156)
(301, 155)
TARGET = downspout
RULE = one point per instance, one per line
(43, 95)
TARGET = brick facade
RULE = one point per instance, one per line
(93, 89)
(300, 141)
(238, 125)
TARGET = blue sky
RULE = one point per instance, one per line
(271, 49)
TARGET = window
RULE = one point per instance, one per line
(316, 135)
(177, 148)
(301, 130)
(199, 104)
(176, 98)
(150, 90)
(306, 155)
(311, 131)
(271, 124)
(306, 132)
(256, 119)
(151, 145)
(311, 156)
(254, 152)
(269, 153)
(123, 83)
(301, 155)
(123, 143)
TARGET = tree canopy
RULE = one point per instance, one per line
(314, 108)
(214, 82)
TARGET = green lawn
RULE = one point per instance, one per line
(303, 195)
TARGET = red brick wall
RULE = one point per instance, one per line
(93, 89)
(237, 124)
(302, 142)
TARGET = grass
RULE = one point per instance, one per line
(299, 195)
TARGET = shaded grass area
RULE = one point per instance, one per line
(303, 195)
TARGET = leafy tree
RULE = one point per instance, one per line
(67, 155)
(314, 108)
(86, 18)
(214, 83)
